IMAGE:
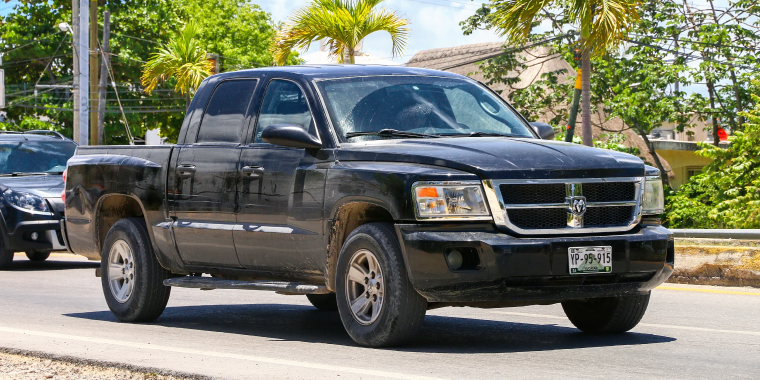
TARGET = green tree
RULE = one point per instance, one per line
(237, 30)
(344, 23)
(182, 59)
(727, 193)
(240, 32)
(603, 24)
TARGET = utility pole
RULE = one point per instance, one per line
(84, 71)
(94, 73)
(103, 76)
(75, 66)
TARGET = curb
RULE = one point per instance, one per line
(717, 262)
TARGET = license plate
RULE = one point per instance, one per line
(584, 260)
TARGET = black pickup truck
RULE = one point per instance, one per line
(381, 192)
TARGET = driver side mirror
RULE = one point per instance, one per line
(290, 135)
(544, 131)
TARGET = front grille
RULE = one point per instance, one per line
(609, 191)
(538, 218)
(522, 203)
(519, 194)
(607, 216)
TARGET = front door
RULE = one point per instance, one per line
(281, 192)
(206, 178)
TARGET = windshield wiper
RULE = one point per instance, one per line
(390, 133)
(481, 134)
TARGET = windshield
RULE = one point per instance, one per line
(35, 156)
(361, 106)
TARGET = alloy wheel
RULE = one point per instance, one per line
(121, 271)
(365, 287)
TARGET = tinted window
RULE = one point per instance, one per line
(284, 103)
(430, 105)
(35, 156)
(223, 119)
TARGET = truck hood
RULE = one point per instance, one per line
(46, 186)
(500, 157)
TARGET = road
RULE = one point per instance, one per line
(689, 332)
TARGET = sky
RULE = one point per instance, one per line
(433, 24)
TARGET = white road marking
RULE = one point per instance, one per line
(690, 328)
(283, 362)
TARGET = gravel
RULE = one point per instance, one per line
(18, 365)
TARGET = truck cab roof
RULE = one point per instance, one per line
(338, 71)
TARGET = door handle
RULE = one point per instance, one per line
(253, 172)
(184, 171)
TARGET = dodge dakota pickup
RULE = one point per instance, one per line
(379, 192)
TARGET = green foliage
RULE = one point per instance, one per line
(29, 124)
(727, 193)
(344, 23)
(239, 31)
(182, 59)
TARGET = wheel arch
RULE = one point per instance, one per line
(345, 217)
(110, 209)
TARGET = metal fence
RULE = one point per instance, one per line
(716, 234)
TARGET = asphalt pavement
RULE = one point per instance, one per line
(689, 332)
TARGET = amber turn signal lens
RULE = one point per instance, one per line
(427, 192)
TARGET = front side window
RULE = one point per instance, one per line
(35, 156)
(284, 103)
(417, 104)
(223, 120)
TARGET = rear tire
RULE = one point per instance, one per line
(37, 256)
(323, 302)
(132, 278)
(607, 315)
(371, 277)
(6, 256)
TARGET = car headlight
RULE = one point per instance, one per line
(26, 202)
(451, 200)
(653, 202)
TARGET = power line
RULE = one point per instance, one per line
(110, 111)
(31, 43)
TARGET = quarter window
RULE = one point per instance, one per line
(223, 120)
(284, 103)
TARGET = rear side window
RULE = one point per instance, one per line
(223, 120)
(284, 103)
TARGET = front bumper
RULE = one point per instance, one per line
(19, 226)
(530, 270)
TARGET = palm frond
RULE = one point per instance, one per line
(182, 58)
(343, 23)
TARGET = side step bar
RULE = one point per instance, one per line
(220, 283)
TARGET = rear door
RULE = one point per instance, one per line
(281, 191)
(206, 177)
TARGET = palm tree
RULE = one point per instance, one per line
(604, 26)
(344, 23)
(181, 58)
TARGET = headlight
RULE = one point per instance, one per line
(452, 200)
(653, 202)
(26, 202)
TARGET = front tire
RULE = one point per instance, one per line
(132, 278)
(607, 315)
(378, 305)
(37, 255)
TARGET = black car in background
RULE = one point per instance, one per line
(31, 181)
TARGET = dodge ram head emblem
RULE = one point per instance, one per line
(577, 205)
